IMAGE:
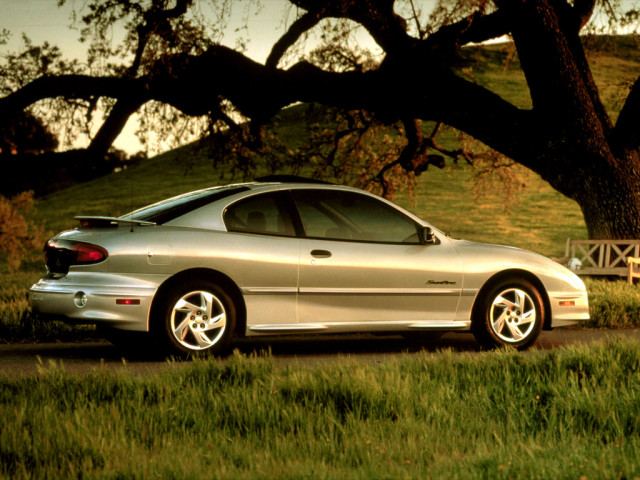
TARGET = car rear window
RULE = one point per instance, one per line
(167, 210)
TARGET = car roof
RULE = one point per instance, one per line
(192, 215)
(276, 182)
(290, 179)
(274, 186)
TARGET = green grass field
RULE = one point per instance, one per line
(536, 218)
(568, 414)
(539, 219)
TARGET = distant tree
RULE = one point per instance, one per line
(171, 68)
(25, 134)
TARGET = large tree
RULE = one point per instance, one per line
(567, 137)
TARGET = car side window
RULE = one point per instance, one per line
(263, 214)
(340, 215)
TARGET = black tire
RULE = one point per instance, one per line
(195, 317)
(511, 313)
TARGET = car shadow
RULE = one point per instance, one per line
(352, 344)
(28, 359)
(322, 346)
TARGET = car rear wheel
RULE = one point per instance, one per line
(198, 317)
(510, 314)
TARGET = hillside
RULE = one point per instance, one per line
(538, 218)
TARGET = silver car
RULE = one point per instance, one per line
(278, 256)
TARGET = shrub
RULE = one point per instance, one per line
(19, 234)
(613, 304)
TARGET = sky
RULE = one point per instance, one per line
(43, 21)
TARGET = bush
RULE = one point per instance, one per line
(613, 304)
(20, 236)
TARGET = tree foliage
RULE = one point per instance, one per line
(383, 113)
(19, 234)
(25, 134)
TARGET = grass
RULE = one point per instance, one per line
(613, 304)
(537, 217)
(565, 414)
(570, 413)
(613, 61)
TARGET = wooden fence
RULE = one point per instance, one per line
(603, 257)
(634, 269)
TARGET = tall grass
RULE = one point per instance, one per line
(539, 218)
(17, 322)
(613, 304)
(566, 414)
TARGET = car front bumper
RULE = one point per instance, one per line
(568, 308)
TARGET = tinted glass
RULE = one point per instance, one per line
(337, 215)
(167, 210)
(263, 214)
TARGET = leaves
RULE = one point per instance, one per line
(19, 235)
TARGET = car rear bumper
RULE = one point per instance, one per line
(120, 301)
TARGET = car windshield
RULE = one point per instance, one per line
(167, 210)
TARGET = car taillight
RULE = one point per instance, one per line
(87, 253)
(60, 255)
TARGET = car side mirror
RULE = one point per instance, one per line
(427, 236)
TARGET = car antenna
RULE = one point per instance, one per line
(131, 210)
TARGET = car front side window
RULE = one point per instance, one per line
(342, 215)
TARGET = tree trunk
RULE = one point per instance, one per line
(579, 151)
(567, 137)
(610, 203)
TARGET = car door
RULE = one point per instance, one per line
(266, 265)
(361, 260)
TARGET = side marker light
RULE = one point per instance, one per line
(127, 301)
(567, 303)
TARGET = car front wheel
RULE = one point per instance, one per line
(510, 314)
(198, 317)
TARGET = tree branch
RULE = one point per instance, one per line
(555, 65)
(154, 18)
(484, 115)
(70, 86)
(115, 122)
(195, 84)
(477, 28)
(583, 10)
(306, 22)
(376, 16)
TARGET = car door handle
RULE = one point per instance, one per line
(320, 253)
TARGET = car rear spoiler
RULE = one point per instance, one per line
(97, 222)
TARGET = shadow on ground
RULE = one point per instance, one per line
(29, 359)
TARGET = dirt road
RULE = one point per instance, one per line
(18, 360)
